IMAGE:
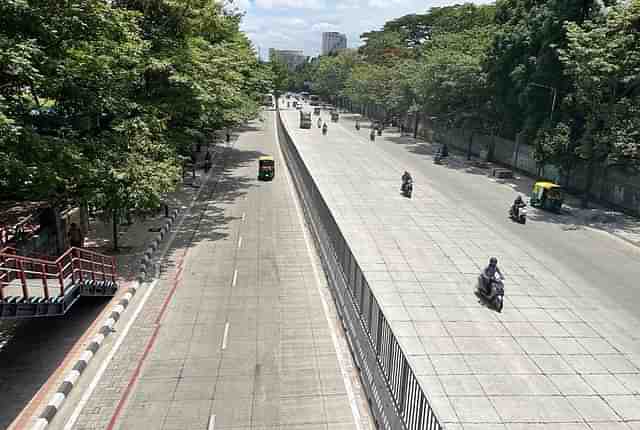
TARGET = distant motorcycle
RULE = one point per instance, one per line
(358, 126)
(491, 291)
(407, 188)
(324, 130)
(372, 135)
(520, 216)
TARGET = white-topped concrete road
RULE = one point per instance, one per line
(561, 355)
(239, 332)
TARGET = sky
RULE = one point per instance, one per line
(298, 24)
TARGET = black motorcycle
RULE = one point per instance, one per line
(372, 136)
(518, 215)
(407, 188)
(324, 130)
(357, 126)
(488, 287)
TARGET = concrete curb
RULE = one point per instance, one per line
(145, 265)
(56, 401)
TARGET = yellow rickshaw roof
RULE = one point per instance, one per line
(266, 158)
(547, 185)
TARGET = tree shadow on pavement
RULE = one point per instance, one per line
(31, 350)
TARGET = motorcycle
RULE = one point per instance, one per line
(379, 131)
(324, 130)
(496, 286)
(407, 188)
(521, 216)
(357, 126)
(372, 136)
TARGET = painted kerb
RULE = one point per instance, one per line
(394, 392)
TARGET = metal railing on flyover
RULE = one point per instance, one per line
(76, 264)
(410, 407)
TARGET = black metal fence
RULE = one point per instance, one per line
(391, 385)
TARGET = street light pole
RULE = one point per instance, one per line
(554, 94)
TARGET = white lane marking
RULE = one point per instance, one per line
(212, 422)
(240, 242)
(244, 215)
(225, 336)
(94, 382)
(325, 306)
(235, 278)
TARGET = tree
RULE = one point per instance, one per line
(99, 99)
(603, 62)
(524, 53)
(332, 73)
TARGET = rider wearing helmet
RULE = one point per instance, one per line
(489, 275)
(517, 204)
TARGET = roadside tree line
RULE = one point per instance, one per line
(562, 76)
(101, 102)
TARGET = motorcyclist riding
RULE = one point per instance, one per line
(517, 204)
(489, 276)
(406, 178)
(357, 125)
(324, 128)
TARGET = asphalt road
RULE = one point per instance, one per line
(598, 259)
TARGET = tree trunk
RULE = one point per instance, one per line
(415, 125)
(115, 230)
(588, 184)
(84, 218)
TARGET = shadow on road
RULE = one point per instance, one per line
(31, 350)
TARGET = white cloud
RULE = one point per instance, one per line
(294, 4)
(298, 24)
(324, 26)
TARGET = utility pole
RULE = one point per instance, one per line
(554, 94)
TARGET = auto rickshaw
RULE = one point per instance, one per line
(266, 168)
(547, 195)
(316, 111)
(334, 116)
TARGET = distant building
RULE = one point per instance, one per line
(333, 42)
(292, 58)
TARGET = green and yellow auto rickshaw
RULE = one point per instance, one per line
(547, 195)
(266, 168)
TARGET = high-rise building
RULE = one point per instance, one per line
(292, 58)
(332, 42)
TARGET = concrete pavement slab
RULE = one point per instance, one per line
(550, 343)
